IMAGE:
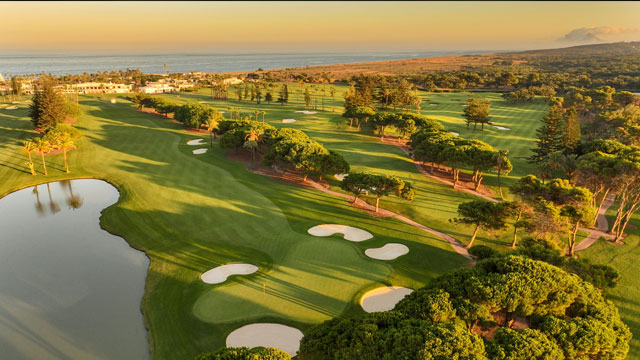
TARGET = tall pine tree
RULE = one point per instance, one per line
(48, 107)
(549, 134)
(571, 133)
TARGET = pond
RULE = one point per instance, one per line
(68, 289)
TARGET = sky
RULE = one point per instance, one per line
(312, 26)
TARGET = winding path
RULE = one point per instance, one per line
(601, 228)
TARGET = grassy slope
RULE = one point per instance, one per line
(190, 213)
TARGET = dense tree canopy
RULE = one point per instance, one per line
(244, 353)
(508, 307)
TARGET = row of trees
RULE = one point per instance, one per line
(545, 210)
(474, 313)
(358, 183)
(369, 91)
(286, 148)
(60, 137)
(433, 145)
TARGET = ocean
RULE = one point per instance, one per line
(78, 63)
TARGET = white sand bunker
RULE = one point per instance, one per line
(199, 151)
(340, 176)
(11, 107)
(287, 121)
(388, 252)
(307, 112)
(501, 127)
(454, 133)
(283, 337)
(220, 274)
(383, 298)
(350, 233)
(196, 142)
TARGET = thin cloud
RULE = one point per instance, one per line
(599, 34)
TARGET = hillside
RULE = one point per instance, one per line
(574, 58)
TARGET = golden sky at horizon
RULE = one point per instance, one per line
(295, 26)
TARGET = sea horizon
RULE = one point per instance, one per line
(78, 62)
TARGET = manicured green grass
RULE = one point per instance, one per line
(435, 202)
(190, 213)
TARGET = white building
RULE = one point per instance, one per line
(157, 88)
(98, 88)
(232, 81)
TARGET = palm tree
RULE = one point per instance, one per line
(263, 114)
(66, 144)
(212, 123)
(251, 142)
(28, 147)
(43, 146)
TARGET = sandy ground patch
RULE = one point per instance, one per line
(11, 107)
(199, 151)
(501, 128)
(220, 274)
(283, 337)
(350, 233)
(307, 112)
(287, 121)
(454, 133)
(388, 252)
(383, 298)
(340, 176)
(196, 142)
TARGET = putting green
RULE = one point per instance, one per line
(315, 282)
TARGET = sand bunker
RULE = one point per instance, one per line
(283, 337)
(199, 151)
(287, 121)
(11, 107)
(501, 127)
(350, 233)
(306, 112)
(383, 298)
(340, 176)
(454, 133)
(220, 274)
(196, 142)
(388, 252)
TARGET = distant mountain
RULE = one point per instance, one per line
(613, 49)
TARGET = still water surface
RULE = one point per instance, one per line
(68, 289)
